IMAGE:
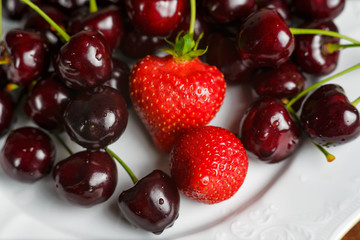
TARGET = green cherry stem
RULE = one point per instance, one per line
(63, 34)
(329, 156)
(356, 102)
(314, 86)
(93, 6)
(192, 16)
(123, 164)
(62, 142)
(331, 47)
(302, 31)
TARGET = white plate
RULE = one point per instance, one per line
(304, 197)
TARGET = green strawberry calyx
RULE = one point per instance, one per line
(185, 47)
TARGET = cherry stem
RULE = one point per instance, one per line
(312, 87)
(123, 164)
(331, 47)
(62, 142)
(4, 60)
(356, 102)
(93, 6)
(192, 16)
(301, 31)
(329, 156)
(63, 34)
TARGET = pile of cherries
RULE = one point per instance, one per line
(78, 83)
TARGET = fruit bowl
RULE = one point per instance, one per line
(304, 197)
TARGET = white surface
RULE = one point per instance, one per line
(303, 198)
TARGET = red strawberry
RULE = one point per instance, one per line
(171, 95)
(208, 164)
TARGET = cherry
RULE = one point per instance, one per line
(311, 52)
(96, 118)
(85, 61)
(152, 204)
(28, 154)
(223, 54)
(328, 117)
(86, 178)
(16, 9)
(268, 131)
(120, 79)
(264, 39)
(36, 22)
(155, 17)
(46, 103)
(225, 11)
(108, 21)
(28, 56)
(6, 111)
(282, 82)
(68, 6)
(281, 6)
(318, 9)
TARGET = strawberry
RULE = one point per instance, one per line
(171, 96)
(208, 164)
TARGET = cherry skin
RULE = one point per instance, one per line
(328, 117)
(152, 204)
(28, 154)
(311, 53)
(264, 39)
(268, 131)
(281, 6)
(16, 9)
(6, 111)
(28, 54)
(36, 22)
(47, 101)
(86, 178)
(318, 9)
(108, 21)
(155, 17)
(282, 82)
(97, 118)
(225, 11)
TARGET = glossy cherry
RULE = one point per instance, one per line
(46, 102)
(97, 118)
(318, 9)
(69, 6)
(16, 9)
(225, 11)
(152, 204)
(86, 178)
(28, 154)
(6, 111)
(328, 117)
(155, 17)
(268, 131)
(223, 54)
(85, 61)
(282, 82)
(281, 6)
(311, 52)
(28, 53)
(120, 79)
(264, 39)
(108, 21)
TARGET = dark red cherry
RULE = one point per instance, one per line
(97, 118)
(28, 154)
(36, 22)
(225, 11)
(156, 17)
(328, 117)
(108, 21)
(120, 79)
(86, 178)
(16, 9)
(281, 6)
(69, 6)
(152, 204)
(46, 102)
(6, 111)
(318, 9)
(136, 45)
(85, 61)
(268, 131)
(264, 39)
(29, 56)
(282, 82)
(311, 52)
(222, 53)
